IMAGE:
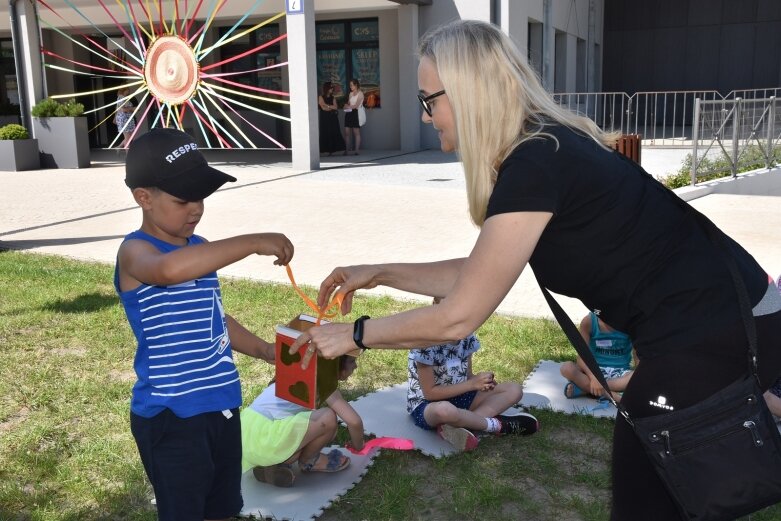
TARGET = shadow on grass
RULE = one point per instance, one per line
(81, 304)
(27, 244)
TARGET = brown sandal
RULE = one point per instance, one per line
(279, 475)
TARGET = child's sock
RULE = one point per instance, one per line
(493, 425)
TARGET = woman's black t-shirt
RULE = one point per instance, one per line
(620, 243)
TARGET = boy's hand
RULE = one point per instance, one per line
(275, 244)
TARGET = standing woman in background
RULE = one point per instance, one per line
(330, 134)
(351, 123)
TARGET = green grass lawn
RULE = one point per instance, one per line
(66, 371)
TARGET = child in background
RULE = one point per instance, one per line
(613, 353)
(276, 433)
(184, 409)
(445, 395)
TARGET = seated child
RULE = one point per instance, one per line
(613, 353)
(445, 395)
(275, 433)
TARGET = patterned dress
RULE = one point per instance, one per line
(449, 361)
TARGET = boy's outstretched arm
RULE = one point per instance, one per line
(140, 261)
(244, 341)
(349, 416)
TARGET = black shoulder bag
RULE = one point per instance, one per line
(720, 458)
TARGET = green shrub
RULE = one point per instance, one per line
(72, 108)
(51, 108)
(13, 131)
(46, 108)
(750, 158)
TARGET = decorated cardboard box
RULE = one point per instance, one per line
(308, 387)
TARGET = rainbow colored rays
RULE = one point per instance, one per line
(162, 58)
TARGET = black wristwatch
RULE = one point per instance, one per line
(358, 331)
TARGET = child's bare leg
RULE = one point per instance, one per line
(439, 413)
(618, 385)
(773, 403)
(490, 403)
(321, 431)
(572, 372)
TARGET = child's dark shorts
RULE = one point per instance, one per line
(194, 464)
(462, 401)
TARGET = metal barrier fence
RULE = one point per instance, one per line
(732, 135)
(663, 119)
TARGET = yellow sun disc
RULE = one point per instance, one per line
(171, 70)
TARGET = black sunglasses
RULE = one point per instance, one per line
(424, 100)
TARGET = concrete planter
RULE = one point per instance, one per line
(19, 154)
(63, 142)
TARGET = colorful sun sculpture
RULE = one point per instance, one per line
(165, 66)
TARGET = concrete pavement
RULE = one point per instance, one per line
(378, 207)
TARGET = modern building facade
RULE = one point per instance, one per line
(327, 40)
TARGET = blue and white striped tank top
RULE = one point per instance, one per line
(184, 360)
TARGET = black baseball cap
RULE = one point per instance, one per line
(169, 159)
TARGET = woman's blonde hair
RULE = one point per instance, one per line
(497, 99)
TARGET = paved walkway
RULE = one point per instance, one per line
(377, 207)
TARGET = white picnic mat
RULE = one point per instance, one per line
(384, 413)
(544, 388)
(310, 494)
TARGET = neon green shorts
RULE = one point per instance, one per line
(267, 442)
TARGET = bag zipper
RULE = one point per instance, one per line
(748, 424)
(747, 402)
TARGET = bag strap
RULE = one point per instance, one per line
(718, 239)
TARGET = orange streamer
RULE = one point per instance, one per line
(322, 313)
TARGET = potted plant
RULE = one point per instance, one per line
(61, 131)
(17, 150)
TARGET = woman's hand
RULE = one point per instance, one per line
(329, 340)
(345, 281)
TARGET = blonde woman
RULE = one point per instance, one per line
(546, 190)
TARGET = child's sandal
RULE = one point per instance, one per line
(573, 391)
(336, 461)
(279, 475)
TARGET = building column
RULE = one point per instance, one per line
(302, 72)
(27, 50)
(409, 110)
(548, 46)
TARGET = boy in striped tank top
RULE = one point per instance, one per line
(184, 409)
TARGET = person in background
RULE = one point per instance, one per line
(123, 118)
(330, 134)
(352, 127)
(613, 352)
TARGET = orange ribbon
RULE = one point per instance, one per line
(322, 313)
